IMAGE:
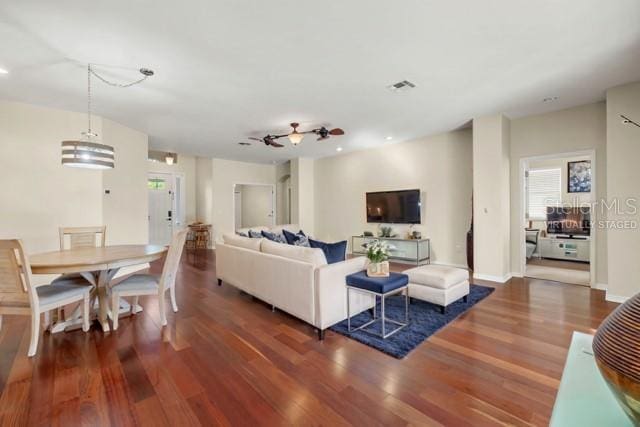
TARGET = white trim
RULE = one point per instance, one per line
(600, 286)
(524, 163)
(516, 274)
(492, 278)
(615, 298)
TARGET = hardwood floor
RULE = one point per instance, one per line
(226, 359)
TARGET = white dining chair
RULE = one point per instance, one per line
(79, 237)
(19, 296)
(148, 284)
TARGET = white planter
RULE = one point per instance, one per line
(378, 269)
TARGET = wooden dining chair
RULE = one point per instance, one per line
(19, 296)
(147, 284)
(79, 237)
(82, 237)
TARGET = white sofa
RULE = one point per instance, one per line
(294, 279)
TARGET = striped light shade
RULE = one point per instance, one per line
(90, 155)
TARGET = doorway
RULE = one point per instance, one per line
(253, 205)
(167, 206)
(557, 242)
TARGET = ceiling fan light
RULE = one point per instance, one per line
(169, 159)
(295, 137)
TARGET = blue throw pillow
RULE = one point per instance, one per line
(292, 238)
(239, 233)
(334, 252)
(274, 237)
(255, 234)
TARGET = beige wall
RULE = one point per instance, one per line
(491, 233)
(283, 185)
(125, 210)
(214, 189)
(204, 190)
(576, 129)
(40, 195)
(302, 194)
(186, 165)
(440, 166)
(623, 152)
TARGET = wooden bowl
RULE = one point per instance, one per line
(616, 347)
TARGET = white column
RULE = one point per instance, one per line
(491, 198)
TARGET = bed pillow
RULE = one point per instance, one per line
(334, 252)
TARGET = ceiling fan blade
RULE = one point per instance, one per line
(255, 139)
(276, 144)
(336, 131)
(322, 138)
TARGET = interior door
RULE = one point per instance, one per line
(160, 208)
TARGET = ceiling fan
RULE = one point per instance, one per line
(295, 137)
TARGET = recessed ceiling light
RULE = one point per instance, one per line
(339, 149)
(389, 138)
(550, 99)
(3, 71)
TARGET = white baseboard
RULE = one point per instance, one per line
(599, 286)
(491, 278)
(516, 274)
(615, 298)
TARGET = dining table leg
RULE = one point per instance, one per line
(103, 300)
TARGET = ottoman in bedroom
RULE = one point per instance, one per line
(438, 284)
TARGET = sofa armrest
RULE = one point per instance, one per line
(331, 292)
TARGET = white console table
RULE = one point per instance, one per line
(417, 251)
(558, 247)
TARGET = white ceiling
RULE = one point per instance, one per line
(226, 70)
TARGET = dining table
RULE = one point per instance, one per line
(98, 266)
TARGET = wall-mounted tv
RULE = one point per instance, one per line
(571, 221)
(394, 207)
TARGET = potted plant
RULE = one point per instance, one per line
(378, 254)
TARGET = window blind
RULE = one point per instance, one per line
(544, 189)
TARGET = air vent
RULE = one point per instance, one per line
(401, 86)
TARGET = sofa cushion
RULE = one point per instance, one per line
(334, 252)
(298, 239)
(310, 255)
(274, 237)
(242, 242)
(437, 276)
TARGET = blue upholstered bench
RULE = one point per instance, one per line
(380, 287)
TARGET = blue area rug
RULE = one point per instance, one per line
(425, 319)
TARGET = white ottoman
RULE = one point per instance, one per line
(438, 284)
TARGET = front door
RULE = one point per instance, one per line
(160, 208)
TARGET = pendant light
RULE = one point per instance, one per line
(87, 152)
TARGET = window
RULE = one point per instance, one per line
(156, 184)
(544, 189)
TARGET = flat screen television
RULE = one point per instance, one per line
(571, 221)
(394, 207)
